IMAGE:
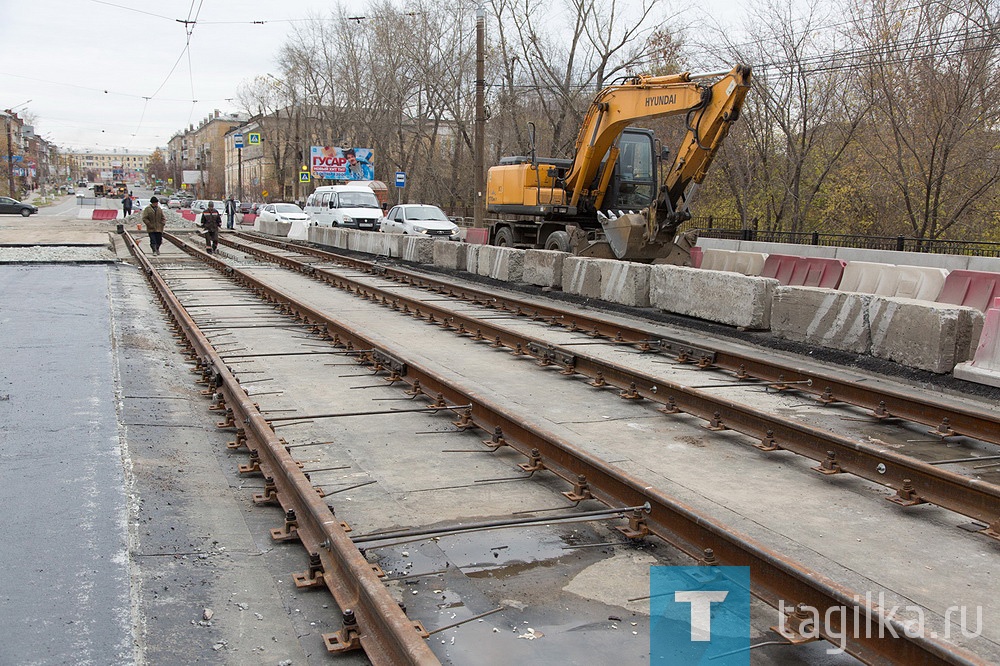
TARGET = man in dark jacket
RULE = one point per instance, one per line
(127, 205)
(155, 220)
(230, 212)
(211, 221)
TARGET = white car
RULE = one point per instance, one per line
(419, 219)
(201, 205)
(282, 212)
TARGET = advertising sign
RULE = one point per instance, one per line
(191, 176)
(336, 163)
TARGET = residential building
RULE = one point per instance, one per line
(196, 156)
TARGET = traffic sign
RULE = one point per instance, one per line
(304, 177)
(264, 193)
(238, 140)
(254, 138)
(400, 179)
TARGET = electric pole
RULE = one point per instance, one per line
(479, 213)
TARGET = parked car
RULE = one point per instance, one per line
(282, 212)
(15, 207)
(70, 190)
(419, 219)
(200, 205)
(344, 205)
(157, 190)
(176, 203)
(245, 207)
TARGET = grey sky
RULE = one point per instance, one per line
(88, 65)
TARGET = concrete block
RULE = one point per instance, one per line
(451, 255)
(929, 336)
(472, 258)
(319, 235)
(626, 283)
(486, 253)
(582, 276)
(822, 317)
(501, 263)
(727, 298)
(418, 249)
(544, 267)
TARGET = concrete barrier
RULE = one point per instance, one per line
(916, 282)
(626, 283)
(929, 336)
(418, 249)
(727, 298)
(501, 263)
(451, 255)
(104, 214)
(985, 365)
(734, 261)
(582, 276)
(544, 268)
(822, 317)
(472, 258)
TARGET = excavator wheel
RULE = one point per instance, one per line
(557, 240)
(504, 237)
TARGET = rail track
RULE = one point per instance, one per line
(377, 623)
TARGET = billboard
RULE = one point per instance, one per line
(336, 163)
(191, 177)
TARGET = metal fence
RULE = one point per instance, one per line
(730, 229)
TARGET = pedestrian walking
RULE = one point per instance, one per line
(155, 221)
(230, 212)
(127, 205)
(211, 221)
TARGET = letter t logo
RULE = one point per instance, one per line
(701, 611)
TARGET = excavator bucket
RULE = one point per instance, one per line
(626, 235)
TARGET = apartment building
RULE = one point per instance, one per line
(196, 157)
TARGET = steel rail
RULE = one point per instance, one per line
(829, 387)
(774, 577)
(915, 482)
(383, 629)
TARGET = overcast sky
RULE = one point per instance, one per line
(114, 74)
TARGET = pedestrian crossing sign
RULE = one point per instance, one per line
(253, 138)
(304, 177)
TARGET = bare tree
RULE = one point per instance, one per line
(932, 84)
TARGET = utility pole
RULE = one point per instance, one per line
(239, 173)
(479, 212)
(10, 157)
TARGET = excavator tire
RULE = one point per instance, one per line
(504, 237)
(557, 240)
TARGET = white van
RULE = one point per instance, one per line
(353, 206)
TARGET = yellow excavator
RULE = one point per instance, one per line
(604, 202)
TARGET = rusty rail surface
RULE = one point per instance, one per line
(829, 387)
(914, 481)
(379, 624)
(774, 577)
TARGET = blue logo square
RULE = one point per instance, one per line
(699, 615)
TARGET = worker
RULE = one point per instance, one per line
(211, 221)
(153, 218)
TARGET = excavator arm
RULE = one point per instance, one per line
(710, 109)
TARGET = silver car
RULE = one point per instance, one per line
(421, 219)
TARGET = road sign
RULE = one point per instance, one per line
(264, 193)
(400, 179)
(237, 140)
(304, 177)
(254, 138)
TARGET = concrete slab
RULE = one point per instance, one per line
(451, 255)
(65, 558)
(544, 268)
(726, 298)
(49, 236)
(416, 249)
(823, 317)
(583, 275)
(501, 263)
(626, 283)
(929, 336)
